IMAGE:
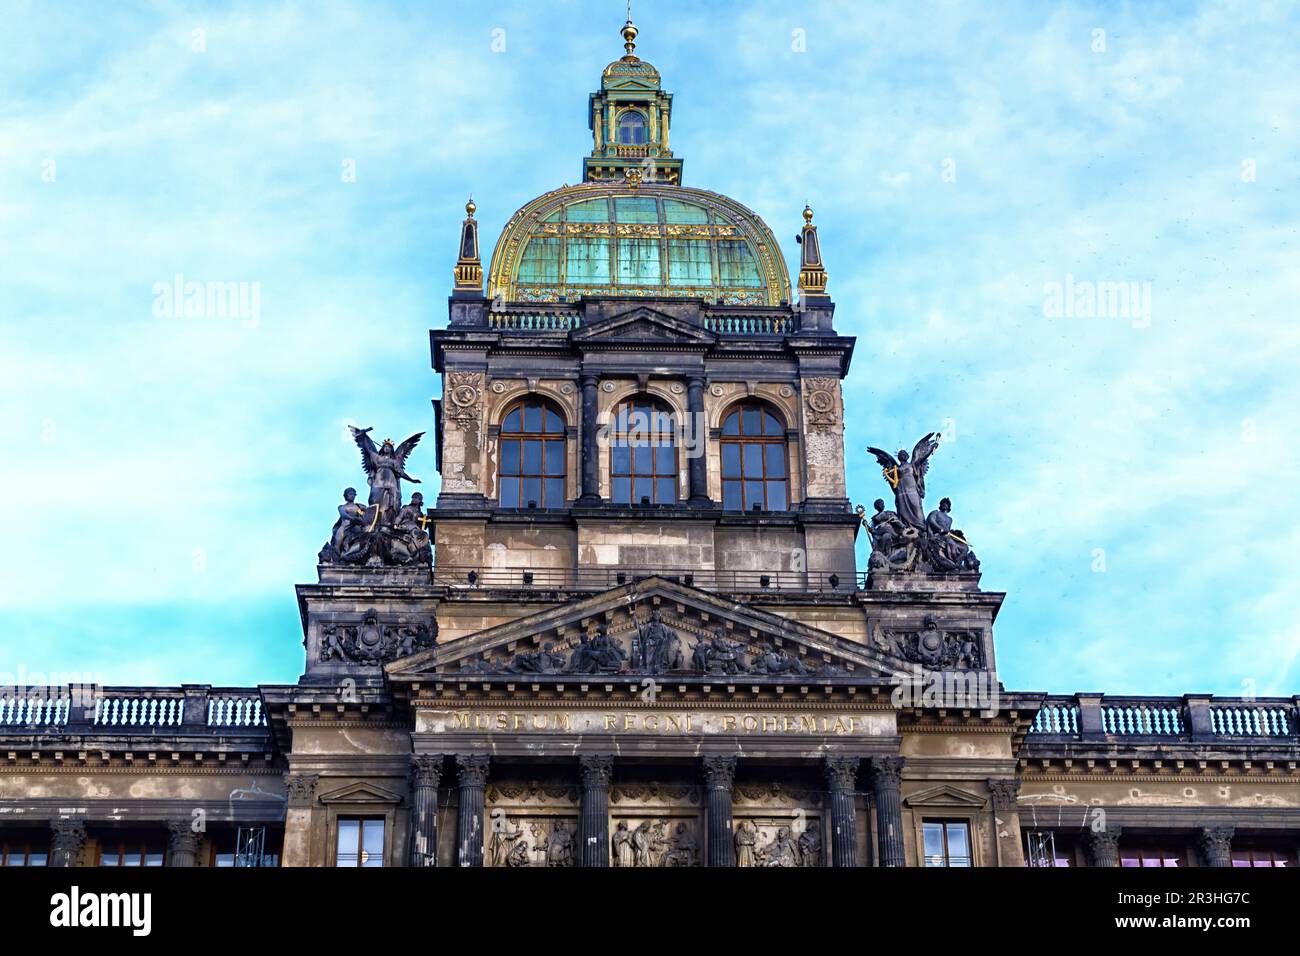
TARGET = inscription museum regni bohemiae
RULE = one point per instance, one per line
(631, 631)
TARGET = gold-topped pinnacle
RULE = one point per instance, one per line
(629, 33)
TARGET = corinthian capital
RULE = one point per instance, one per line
(597, 769)
(719, 770)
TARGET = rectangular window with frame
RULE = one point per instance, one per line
(360, 842)
(947, 843)
(132, 850)
(1150, 856)
(25, 850)
(1263, 857)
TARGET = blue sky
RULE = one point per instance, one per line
(1129, 483)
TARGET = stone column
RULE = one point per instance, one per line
(301, 791)
(593, 833)
(590, 454)
(719, 774)
(182, 843)
(841, 780)
(471, 778)
(1006, 821)
(886, 780)
(697, 468)
(69, 838)
(1216, 844)
(1103, 847)
(426, 776)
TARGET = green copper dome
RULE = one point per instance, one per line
(638, 239)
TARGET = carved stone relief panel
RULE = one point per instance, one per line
(662, 839)
(531, 823)
(786, 839)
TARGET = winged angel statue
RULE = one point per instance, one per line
(906, 539)
(387, 532)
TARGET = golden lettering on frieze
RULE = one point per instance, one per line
(659, 723)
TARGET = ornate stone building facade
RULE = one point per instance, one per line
(632, 631)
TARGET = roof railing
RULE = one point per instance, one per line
(92, 709)
(1192, 717)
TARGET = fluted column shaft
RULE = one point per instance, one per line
(590, 456)
(471, 781)
(426, 776)
(697, 471)
(594, 832)
(719, 774)
(886, 778)
(841, 780)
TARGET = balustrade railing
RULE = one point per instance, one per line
(534, 321)
(1190, 718)
(91, 709)
(746, 324)
(601, 579)
(733, 323)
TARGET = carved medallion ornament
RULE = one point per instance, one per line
(371, 643)
(823, 407)
(932, 646)
(464, 396)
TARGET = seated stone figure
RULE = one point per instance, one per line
(949, 550)
(347, 537)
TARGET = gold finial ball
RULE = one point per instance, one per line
(629, 35)
(470, 207)
(807, 213)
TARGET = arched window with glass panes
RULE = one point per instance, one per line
(755, 465)
(531, 455)
(632, 128)
(642, 453)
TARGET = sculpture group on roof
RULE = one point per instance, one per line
(907, 539)
(385, 532)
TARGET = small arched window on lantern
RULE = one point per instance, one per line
(632, 128)
(755, 468)
(531, 455)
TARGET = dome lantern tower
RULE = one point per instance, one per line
(629, 120)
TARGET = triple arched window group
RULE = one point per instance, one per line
(644, 456)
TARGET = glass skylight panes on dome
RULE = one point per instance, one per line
(645, 243)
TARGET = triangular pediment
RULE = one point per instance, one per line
(653, 627)
(642, 325)
(361, 793)
(945, 796)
